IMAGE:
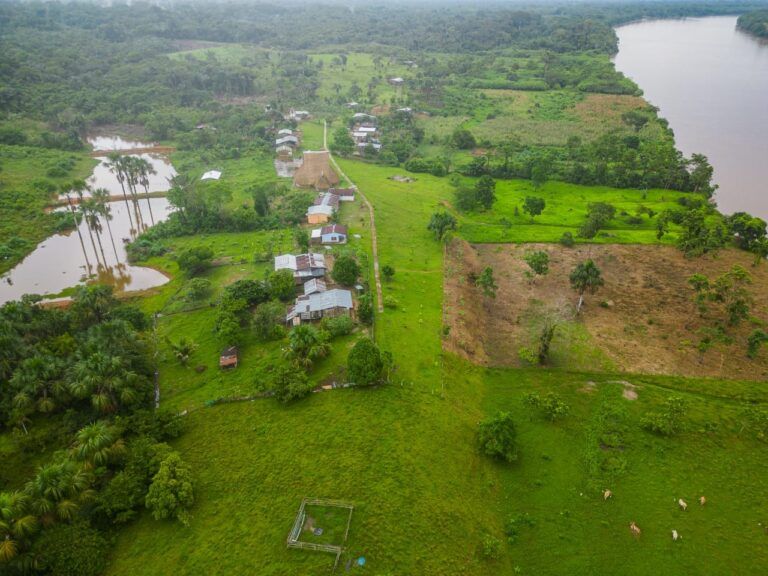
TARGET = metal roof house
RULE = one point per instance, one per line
(289, 140)
(319, 305)
(303, 266)
(313, 286)
(211, 175)
(285, 132)
(324, 207)
(332, 234)
(344, 194)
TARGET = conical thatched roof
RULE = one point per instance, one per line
(316, 172)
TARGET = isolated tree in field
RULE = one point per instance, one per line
(533, 206)
(598, 215)
(485, 191)
(486, 282)
(346, 270)
(440, 223)
(388, 272)
(729, 290)
(498, 437)
(538, 262)
(463, 139)
(171, 493)
(365, 365)
(282, 285)
(586, 277)
(290, 383)
(182, 349)
(195, 260)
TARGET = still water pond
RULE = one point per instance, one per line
(59, 262)
(711, 82)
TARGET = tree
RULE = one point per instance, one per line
(92, 304)
(343, 143)
(307, 344)
(746, 230)
(171, 493)
(57, 491)
(282, 285)
(388, 272)
(365, 366)
(197, 289)
(485, 191)
(182, 349)
(290, 383)
(463, 139)
(301, 237)
(586, 277)
(538, 262)
(533, 206)
(701, 173)
(440, 223)
(195, 260)
(598, 215)
(365, 309)
(698, 236)
(107, 380)
(498, 437)
(465, 198)
(729, 290)
(345, 270)
(486, 282)
(268, 320)
(756, 339)
(97, 445)
(17, 525)
(551, 407)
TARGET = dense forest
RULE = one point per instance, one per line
(755, 22)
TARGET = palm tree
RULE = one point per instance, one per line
(96, 445)
(101, 197)
(132, 178)
(38, 384)
(107, 380)
(16, 524)
(115, 163)
(57, 490)
(306, 344)
(79, 187)
(145, 170)
(92, 217)
(67, 190)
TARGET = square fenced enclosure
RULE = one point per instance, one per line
(321, 525)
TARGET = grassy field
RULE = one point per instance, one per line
(405, 455)
(28, 179)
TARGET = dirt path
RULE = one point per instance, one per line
(376, 275)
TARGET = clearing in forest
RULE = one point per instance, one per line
(642, 320)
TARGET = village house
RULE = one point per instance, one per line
(320, 305)
(284, 153)
(344, 194)
(396, 81)
(324, 208)
(284, 132)
(289, 140)
(331, 234)
(304, 266)
(316, 171)
(229, 357)
(363, 117)
(297, 115)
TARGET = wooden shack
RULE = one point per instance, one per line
(229, 357)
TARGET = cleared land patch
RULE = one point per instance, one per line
(643, 320)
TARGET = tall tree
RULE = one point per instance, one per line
(586, 277)
(79, 187)
(115, 163)
(101, 197)
(67, 192)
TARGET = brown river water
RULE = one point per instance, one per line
(711, 82)
(58, 261)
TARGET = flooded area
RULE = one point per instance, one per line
(62, 261)
(710, 81)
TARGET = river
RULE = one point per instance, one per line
(710, 81)
(58, 262)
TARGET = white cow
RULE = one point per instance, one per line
(676, 536)
(635, 529)
(702, 500)
(683, 504)
(607, 494)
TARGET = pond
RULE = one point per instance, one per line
(59, 261)
(711, 82)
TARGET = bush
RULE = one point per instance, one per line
(197, 289)
(268, 321)
(252, 291)
(567, 240)
(290, 383)
(365, 309)
(195, 260)
(338, 326)
(345, 270)
(365, 365)
(491, 547)
(463, 139)
(391, 302)
(669, 421)
(498, 437)
(72, 550)
(171, 493)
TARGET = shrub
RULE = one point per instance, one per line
(365, 365)
(268, 320)
(72, 550)
(388, 272)
(345, 270)
(365, 309)
(491, 547)
(440, 223)
(171, 493)
(290, 383)
(463, 139)
(195, 260)
(338, 326)
(669, 421)
(498, 437)
(197, 289)
(567, 240)
(391, 302)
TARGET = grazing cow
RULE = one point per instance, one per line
(607, 494)
(702, 500)
(683, 504)
(635, 529)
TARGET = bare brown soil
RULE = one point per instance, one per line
(643, 319)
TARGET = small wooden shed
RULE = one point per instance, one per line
(228, 358)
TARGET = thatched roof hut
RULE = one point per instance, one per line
(316, 172)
